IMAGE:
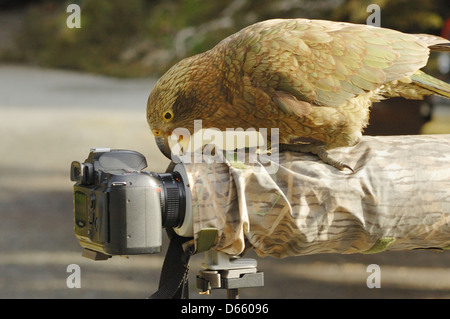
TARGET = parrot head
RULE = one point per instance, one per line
(170, 105)
(160, 117)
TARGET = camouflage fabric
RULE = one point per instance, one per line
(398, 198)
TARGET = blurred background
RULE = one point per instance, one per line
(64, 91)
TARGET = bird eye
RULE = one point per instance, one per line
(156, 132)
(168, 115)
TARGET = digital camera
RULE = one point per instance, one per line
(119, 209)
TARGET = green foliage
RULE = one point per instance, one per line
(107, 26)
(145, 37)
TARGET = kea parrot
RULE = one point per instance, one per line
(314, 80)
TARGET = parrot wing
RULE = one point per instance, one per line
(323, 62)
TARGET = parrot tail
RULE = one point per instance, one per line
(431, 83)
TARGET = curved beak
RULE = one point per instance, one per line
(163, 145)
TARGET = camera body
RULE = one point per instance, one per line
(119, 209)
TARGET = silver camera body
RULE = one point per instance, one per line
(119, 209)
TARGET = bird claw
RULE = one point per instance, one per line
(326, 158)
(320, 151)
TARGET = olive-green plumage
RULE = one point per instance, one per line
(314, 80)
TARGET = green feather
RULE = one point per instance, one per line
(430, 83)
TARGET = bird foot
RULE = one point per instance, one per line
(320, 151)
(326, 158)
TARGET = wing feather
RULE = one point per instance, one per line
(325, 62)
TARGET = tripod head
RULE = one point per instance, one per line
(224, 272)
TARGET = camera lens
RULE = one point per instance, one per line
(173, 199)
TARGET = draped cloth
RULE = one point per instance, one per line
(398, 198)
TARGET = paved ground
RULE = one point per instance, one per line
(49, 118)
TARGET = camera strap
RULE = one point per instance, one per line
(173, 283)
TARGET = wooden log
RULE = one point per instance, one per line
(398, 198)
